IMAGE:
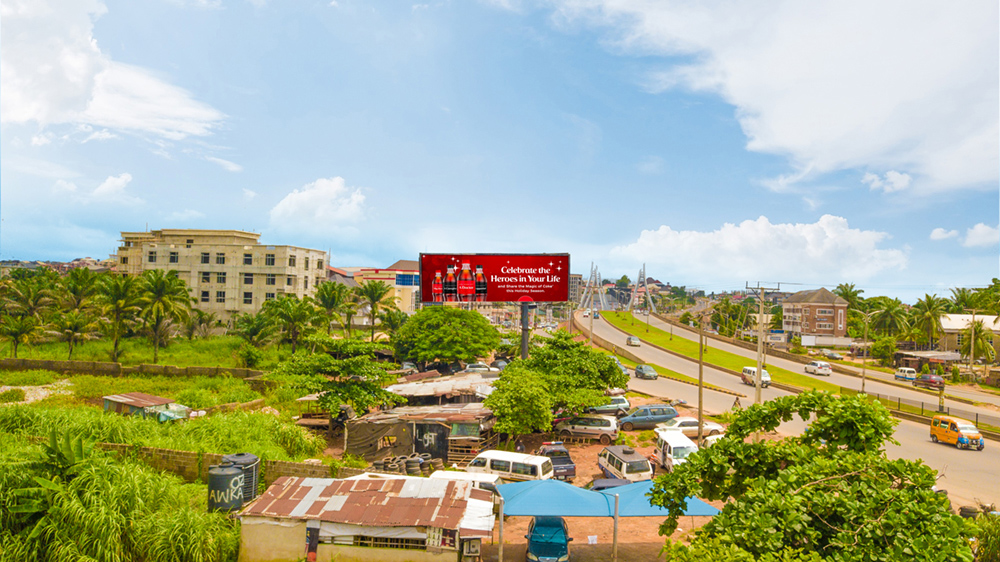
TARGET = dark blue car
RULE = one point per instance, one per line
(548, 540)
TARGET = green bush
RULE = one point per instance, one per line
(248, 356)
(34, 377)
(195, 398)
(956, 373)
(988, 537)
(926, 369)
(12, 395)
(939, 371)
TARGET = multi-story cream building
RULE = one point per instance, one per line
(226, 271)
(403, 276)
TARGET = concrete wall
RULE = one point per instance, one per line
(117, 369)
(274, 543)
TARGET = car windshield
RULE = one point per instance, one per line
(635, 467)
(683, 452)
(557, 453)
(967, 428)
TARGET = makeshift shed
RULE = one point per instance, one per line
(453, 432)
(455, 389)
(146, 406)
(413, 519)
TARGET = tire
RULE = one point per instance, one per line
(627, 426)
(605, 440)
(934, 438)
(713, 432)
(565, 434)
(968, 511)
(958, 445)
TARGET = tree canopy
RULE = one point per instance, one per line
(442, 333)
(829, 494)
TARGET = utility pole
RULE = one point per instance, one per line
(701, 379)
(864, 360)
(972, 341)
(760, 336)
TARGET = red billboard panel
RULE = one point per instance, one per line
(494, 277)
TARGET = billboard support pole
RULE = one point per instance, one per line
(525, 330)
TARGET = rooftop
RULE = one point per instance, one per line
(816, 296)
(138, 399)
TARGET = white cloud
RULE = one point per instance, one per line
(249, 193)
(113, 189)
(185, 215)
(41, 139)
(326, 205)
(226, 164)
(652, 165)
(894, 181)
(52, 71)
(833, 85)
(101, 135)
(823, 252)
(942, 234)
(64, 186)
(981, 235)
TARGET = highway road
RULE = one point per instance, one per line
(965, 474)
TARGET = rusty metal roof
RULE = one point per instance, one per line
(450, 413)
(409, 502)
(471, 384)
(138, 399)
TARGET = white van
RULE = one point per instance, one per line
(749, 376)
(672, 448)
(906, 374)
(511, 467)
(620, 461)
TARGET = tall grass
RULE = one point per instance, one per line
(34, 377)
(260, 434)
(196, 392)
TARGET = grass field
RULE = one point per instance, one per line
(716, 357)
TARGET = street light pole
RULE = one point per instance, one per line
(864, 360)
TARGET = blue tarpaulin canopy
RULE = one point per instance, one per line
(633, 502)
(554, 497)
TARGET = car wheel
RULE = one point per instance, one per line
(627, 426)
(605, 440)
(958, 445)
(714, 432)
(564, 434)
(934, 438)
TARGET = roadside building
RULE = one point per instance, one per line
(953, 327)
(576, 286)
(403, 276)
(818, 317)
(227, 271)
(370, 520)
(452, 389)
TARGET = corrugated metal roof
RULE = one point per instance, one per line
(959, 322)
(472, 383)
(816, 296)
(451, 413)
(409, 502)
(138, 399)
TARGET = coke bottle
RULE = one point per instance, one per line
(450, 286)
(437, 288)
(480, 284)
(466, 284)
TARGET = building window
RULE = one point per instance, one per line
(318, 281)
(220, 296)
(291, 261)
(220, 277)
(220, 259)
(247, 259)
(305, 281)
(152, 256)
(269, 296)
(319, 264)
(407, 280)
(290, 281)
(204, 296)
(270, 279)
(824, 312)
(248, 278)
(174, 257)
(206, 277)
(305, 263)
(268, 259)
(247, 298)
(189, 242)
(124, 260)
(204, 257)
(840, 319)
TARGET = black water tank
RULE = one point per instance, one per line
(250, 465)
(225, 487)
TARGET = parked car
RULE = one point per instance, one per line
(646, 417)
(956, 431)
(819, 368)
(499, 364)
(624, 462)
(632, 341)
(563, 467)
(617, 405)
(548, 539)
(606, 483)
(933, 382)
(645, 372)
(689, 426)
(834, 355)
(621, 366)
(749, 376)
(602, 428)
(481, 368)
(905, 374)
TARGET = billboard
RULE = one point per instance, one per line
(494, 277)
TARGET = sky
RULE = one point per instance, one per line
(791, 144)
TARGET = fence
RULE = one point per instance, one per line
(928, 408)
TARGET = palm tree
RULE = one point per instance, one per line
(392, 320)
(292, 314)
(78, 289)
(255, 329)
(891, 319)
(331, 298)
(849, 293)
(977, 341)
(19, 330)
(27, 297)
(961, 299)
(73, 327)
(927, 315)
(349, 311)
(374, 295)
(164, 299)
(200, 324)
(118, 297)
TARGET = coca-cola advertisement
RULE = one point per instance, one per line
(494, 277)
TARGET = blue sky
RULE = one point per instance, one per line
(720, 143)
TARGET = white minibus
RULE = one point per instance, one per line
(672, 448)
(512, 467)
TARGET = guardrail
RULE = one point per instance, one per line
(929, 409)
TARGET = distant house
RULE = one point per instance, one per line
(403, 276)
(953, 326)
(145, 406)
(412, 519)
(818, 317)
